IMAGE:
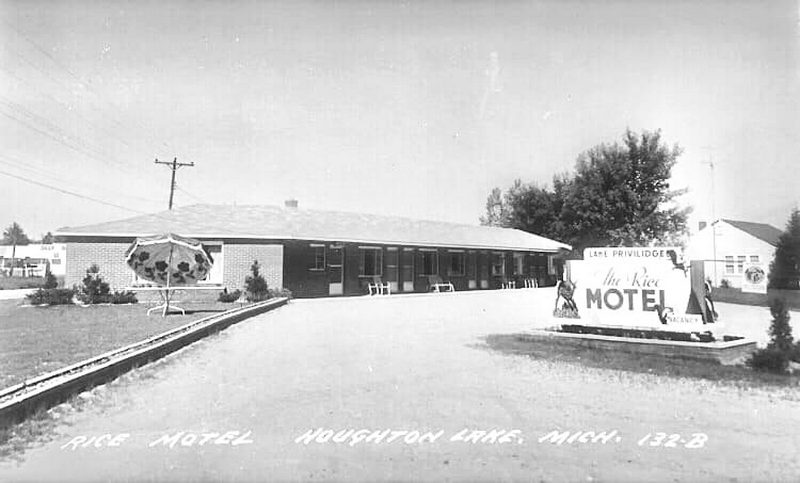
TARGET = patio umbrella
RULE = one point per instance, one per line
(169, 260)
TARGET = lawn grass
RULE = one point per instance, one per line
(36, 340)
(736, 296)
(741, 376)
(14, 283)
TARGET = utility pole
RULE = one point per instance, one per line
(175, 165)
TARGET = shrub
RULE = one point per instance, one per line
(50, 280)
(724, 283)
(769, 360)
(283, 292)
(51, 296)
(126, 297)
(255, 286)
(779, 330)
(228, 297)
(781, 348)
(93, 290)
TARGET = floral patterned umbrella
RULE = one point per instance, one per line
(169, 260)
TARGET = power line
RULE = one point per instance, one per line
(71, 193)
(80, 81)
(189, 194)
(60, 179)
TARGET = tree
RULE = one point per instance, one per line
(255, 286)
(781, 348)
(14, 235)
(618, 194)
(784, 271)
(48, 238)
(496, 210)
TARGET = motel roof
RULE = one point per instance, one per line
(278, 223)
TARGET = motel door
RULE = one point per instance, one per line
(407, 269)
(335, 270)
(472, 270)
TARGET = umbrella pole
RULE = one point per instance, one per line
(169, 276)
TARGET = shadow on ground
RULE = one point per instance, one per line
(515, 344)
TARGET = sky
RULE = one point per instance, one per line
(407, 108)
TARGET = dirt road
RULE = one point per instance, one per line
(362, 368)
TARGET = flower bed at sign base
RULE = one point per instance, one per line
(639, 333)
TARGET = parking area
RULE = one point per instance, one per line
(276, 384)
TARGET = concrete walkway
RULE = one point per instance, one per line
(410, 364)
(15, 294)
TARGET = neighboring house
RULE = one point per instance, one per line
(34, 258)
(322, 253)
(737, 242)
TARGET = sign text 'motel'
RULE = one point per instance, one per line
(638, 287)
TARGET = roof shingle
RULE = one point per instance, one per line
(271, 222)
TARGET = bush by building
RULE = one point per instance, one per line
(282, 292)
(255, 286)
(93, 289)
(51, 296)
(50, 280)
(229, 297)
(125, 297)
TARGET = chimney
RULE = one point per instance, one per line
(292, 203)
(701, 225)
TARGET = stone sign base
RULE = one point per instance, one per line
(724, 352)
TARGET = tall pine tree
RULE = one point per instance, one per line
(784, 271)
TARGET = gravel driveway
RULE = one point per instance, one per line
(236, 407)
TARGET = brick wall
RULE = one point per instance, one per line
(239, 257)
(109, 256)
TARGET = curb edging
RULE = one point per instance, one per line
(48, 390)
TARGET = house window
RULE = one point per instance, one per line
(728, 264)
(740, 263)
(430, 262)
(498, 265)
(457, 263)
(754, 259)
(319, 257)
(371, 261)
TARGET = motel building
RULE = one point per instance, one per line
(324, 253)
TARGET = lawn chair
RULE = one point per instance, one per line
(377, 287)
(508, 283)
(437, 285)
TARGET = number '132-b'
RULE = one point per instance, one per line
(698, 440)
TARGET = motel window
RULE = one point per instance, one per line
(754, 259)
(498, 265)
(519, 262)
(729, 264)
(457, 263)
(430, 263)
(319, 257)
(740, 263)
(371, 261)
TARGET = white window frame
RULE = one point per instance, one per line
(315, 267)
(378, 251)
(435, 253)
(730, 264)
(502, 264)
(458, 254)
